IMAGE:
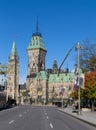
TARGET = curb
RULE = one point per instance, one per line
(90, 123)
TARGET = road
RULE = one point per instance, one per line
(30, 117)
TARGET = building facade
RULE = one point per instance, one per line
(45, 86)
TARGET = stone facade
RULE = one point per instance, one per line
(13, 74)
(45, 85)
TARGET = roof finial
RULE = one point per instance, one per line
(37, 28)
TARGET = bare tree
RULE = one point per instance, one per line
(88, 56)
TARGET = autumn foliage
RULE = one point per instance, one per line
(90, 85)
(90, 80)
(89, 91)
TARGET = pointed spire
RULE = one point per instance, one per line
(55, 67)
(37, 30)
(14, 50)
(37, 27)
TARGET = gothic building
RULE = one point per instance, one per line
(36, 67)
(13, 74)
(45, 85)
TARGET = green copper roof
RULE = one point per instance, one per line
(14, 50)
(36, 42)
(42, 75)
(61, 77)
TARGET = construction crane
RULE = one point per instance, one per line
(66, 56)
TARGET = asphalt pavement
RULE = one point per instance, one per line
(31, 117)
(85, 116)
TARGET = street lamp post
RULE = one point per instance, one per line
(78, 47)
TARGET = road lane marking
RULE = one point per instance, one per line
(25, 112)
(11, 122)
(51, 125)
(45, 113)
(47, 117)
(20, 115)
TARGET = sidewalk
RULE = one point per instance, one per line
(88, 117)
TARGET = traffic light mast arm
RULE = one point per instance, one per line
(66, 56)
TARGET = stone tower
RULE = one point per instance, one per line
(36, 56)
(13, 73)
(55, 67)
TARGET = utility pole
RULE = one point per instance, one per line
(78, 47)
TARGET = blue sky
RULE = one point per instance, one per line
(61, 22)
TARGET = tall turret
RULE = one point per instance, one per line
(13, 73)
(55, 67)
(36, 55)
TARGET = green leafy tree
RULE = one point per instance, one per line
(3, 69)
(74, 95)
(3, 72)
(24, 94)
